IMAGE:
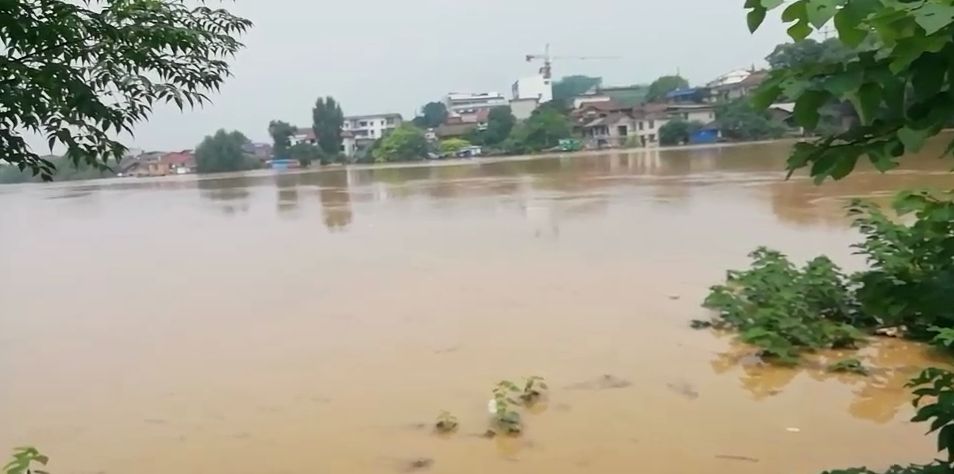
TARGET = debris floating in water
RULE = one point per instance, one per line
(792, 429)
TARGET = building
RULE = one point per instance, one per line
(648, 119)
(534, 87)
(179, 162)
(361, 131)
(463, 102)
(735, 84)
(702, 113)
(523, 108)
(303, 135)
(611, 131)
(371, 127)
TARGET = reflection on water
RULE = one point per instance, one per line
(876, 397)
(296, 321)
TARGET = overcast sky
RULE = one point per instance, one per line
(393, 56)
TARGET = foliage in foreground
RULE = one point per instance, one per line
(894, 74)
(25, 461)
(785, 310)
(79, 73)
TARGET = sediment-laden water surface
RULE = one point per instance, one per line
(319, 321)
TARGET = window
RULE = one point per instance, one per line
(652, 138)
(623, 130)
(363, 123)
(390, 121)
(640, 125)
(652, 124)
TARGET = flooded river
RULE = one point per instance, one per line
(312, 322)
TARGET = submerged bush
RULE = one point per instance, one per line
(785, 310)
(911, 279)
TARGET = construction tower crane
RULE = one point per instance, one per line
(546, 70)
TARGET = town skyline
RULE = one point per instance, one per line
(387, 67)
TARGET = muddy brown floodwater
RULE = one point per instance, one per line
(311, 322)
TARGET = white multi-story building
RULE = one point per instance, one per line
(463, 102)
(360, 131)
(371, 127)
(533, 87)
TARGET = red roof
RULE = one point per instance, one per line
(179, 158)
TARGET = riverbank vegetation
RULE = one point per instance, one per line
(892, 67)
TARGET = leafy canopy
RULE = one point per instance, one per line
(677, 131)
(664, 85)
(404, 143)
(897, 75)
(281, 133)
(79, 73)
(801, 53)
(432, 115)
(224, 151)
(544, 129)
(327, 122)
(569, 87)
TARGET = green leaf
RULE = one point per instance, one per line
(913, 140)
(755, 18)
(795, 12)
(928, 75)
(845, 163)
(770, 4)
(866, 101)
(934, 16)
(800, 30)
(820, 11)
(765, 96)
(807, 106)
(848, 32)
(845, 82)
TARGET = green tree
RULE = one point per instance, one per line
(543, 130)
(405, 143)
(432, 115)
(328, 120)
(738, 120)
(569, 87)
(678, 131)
(664, 85)
(500, 123)
(809, 51)
(895, 76)
(453, 145)
(79, 73)
(306, 154)
(221, 152)
(281, 133)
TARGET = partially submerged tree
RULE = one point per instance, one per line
(328, 120)
(80, 73)
(404, 143)
(224, 151)
(281, 133)
(676, 132)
